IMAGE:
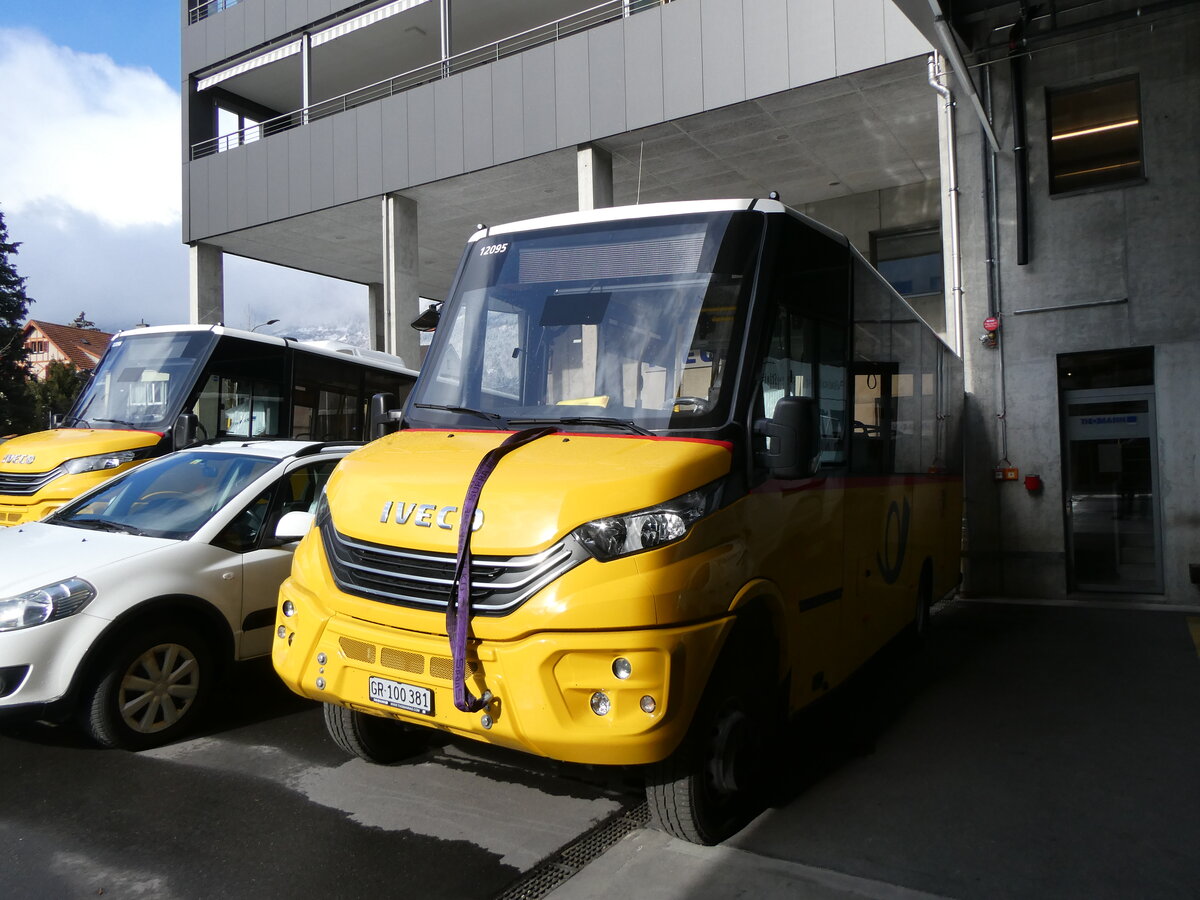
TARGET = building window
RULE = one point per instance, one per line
(1095, 135)
(911, 261)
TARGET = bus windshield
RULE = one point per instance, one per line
(630, 324)
(142, 381)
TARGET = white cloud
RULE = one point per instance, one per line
(83, 133)
(90, 187)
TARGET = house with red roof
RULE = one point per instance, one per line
(46, 342)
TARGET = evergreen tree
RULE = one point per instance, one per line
(55, 393)
(82, 321)
(16, 403)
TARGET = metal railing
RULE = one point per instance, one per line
(435, 71)
(202, 9)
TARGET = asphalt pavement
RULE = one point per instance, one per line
(1026, 750)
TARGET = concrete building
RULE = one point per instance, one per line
(366, 140)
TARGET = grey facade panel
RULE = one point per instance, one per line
(214, 38)
(901, 40)
(477, 118)
(606, 81)
(422, 143)
(448, 127)
(234, 21)
(508, 109)
(765, 27)
(572, 105)
(370, 149)
(859, 34)
(300, 193)
(812, 48)
(723, 52)
(235, 194)
(218, 193)
(256, 23)
(320, 9)
(345, 157)
(197, 182)
(643, 69)
(297, 15)
(539, 111)
(278, 183)
(394, 129)
(275, 13)
(683, 68)
(257, 183)
(193, 46)
(322, 162)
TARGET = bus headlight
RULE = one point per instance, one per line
(83, 464)
(649, 528)
(54, 601)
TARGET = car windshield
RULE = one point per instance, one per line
(170, 497)
(626, 325)
(142, 381)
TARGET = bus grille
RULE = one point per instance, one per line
(21, 484)
(424, 580)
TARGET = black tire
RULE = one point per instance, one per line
(149, 689)
(921, 618)
(375, 739)
(716, 781)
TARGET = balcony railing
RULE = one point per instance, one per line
(435, 71)
(202, 9)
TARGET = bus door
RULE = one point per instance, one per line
(879, 507)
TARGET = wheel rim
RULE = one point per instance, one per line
(158, 688)
(728, 753)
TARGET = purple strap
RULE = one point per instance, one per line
(458, 610)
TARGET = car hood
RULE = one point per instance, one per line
(43, 450)
(38, 554)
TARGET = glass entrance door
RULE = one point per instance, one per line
(1111, 476)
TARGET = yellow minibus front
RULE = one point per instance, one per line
(158, 389)
(669, 473)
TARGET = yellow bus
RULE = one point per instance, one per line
(670, 473)
(157, 389)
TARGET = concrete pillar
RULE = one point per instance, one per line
(376, 317)
(206, 284)
(595, 177)
(401, 288)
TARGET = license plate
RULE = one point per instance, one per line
(402, 696)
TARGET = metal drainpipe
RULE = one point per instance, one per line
(1020, 148)
(956, 296)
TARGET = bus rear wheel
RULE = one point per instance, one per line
(716, 781)
(372, 738)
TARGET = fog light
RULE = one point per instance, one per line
(282, 632)
(289, 609)
(648, 705)
(322, 658)
(622, 668)
(600, 703)
(320, 684)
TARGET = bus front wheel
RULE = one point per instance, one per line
(715, 782)
(372, 738)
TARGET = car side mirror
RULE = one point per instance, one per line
(293, 526)
(183, 433)
(793, 438)
(385, 419)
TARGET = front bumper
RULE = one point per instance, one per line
(41, 661)
(542, 684)
(16, 509)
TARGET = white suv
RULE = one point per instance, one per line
(121, 609)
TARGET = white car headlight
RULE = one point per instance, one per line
(646, 529)
(54, 601)
(83, 464)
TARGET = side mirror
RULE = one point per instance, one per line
(428, 320)
(793, 438)
(293, 526)
(183, 433)
(385, 419)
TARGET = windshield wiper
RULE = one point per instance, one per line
(128, 425)
(601, 421)
(75, 419)
(494, 418)
(99, 525)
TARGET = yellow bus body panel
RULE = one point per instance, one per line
(827, 558)
(42, 451)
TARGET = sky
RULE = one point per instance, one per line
(90, 178)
